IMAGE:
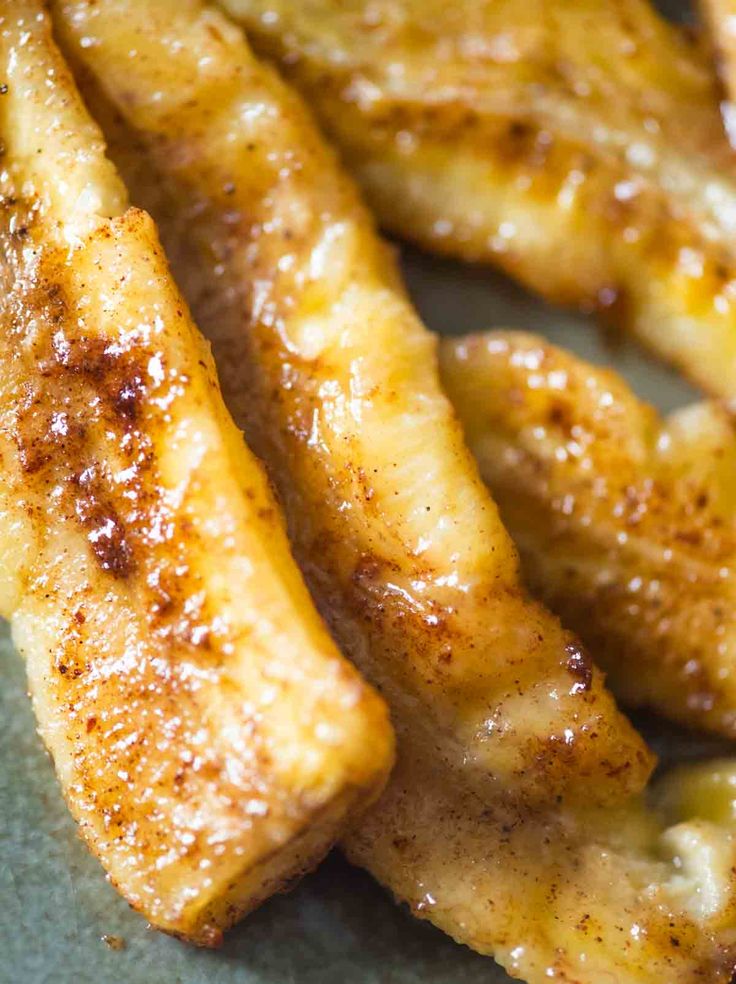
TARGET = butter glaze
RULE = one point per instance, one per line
(328, 369)
(624, 520)
(209, 738)
(343, 401)
(576, 146)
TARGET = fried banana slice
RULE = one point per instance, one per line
(284, 264)
(208, 736)
(571, 897)
(327, 367)
(578, 146)
(625, 522)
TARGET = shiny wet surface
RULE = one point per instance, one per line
(339, 925)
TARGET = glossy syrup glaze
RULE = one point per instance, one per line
(208, 736)
(624, 520)
(334, 379)
(285, 272)
(577, 146)
(569, 896)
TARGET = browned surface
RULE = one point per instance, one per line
(327, 367)
(578, 146)
(401, 546)
(208, 736)
(625, 521)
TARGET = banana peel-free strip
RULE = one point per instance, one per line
(631, 894)
(210, 740)
(625, 521)
(327, 367)
(578, 146)
(288, 278)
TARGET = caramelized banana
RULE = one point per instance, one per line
(575, 897)
(625, 521)
(576, 145)
(209, 738)
(404, 552)
(326, 365)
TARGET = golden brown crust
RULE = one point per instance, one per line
(326, 366)
(209, 738)
(625, 521)
(577, 146)
(344, 404)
